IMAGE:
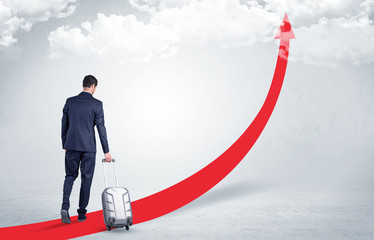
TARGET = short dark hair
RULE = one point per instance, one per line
(89, 80)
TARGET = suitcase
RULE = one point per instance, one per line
(116, 204)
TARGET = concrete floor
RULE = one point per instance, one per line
(241, 210)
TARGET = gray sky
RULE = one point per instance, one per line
(180, 82)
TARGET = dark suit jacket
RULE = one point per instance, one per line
(80, 115)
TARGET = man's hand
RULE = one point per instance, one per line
(65, 150)
(108, 158)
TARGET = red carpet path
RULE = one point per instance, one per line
(183, 192)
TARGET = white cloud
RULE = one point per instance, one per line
(226, 22)
(200, 22)
(306, 12)
(122, 38)
(327, 31)
(335, 40)
(157, 5)
(20, 15)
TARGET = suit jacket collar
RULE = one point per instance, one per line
(85, 94)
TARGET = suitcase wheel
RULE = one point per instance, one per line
(127, 228)
(108, 228)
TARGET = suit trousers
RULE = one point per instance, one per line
(73, 159)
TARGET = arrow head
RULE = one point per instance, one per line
(285, 30)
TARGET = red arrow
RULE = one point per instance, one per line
(184, 192)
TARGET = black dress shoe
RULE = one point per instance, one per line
(65, 216)
(81, 217)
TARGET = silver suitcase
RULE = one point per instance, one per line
(116, 204)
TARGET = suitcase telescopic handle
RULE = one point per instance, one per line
(115, 173)
(113, 160)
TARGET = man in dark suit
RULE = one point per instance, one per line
(80, 115)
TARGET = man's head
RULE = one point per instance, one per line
(90, 84)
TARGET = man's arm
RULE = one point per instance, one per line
(100, 125)
(64, 123)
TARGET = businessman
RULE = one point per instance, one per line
(80, 115)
